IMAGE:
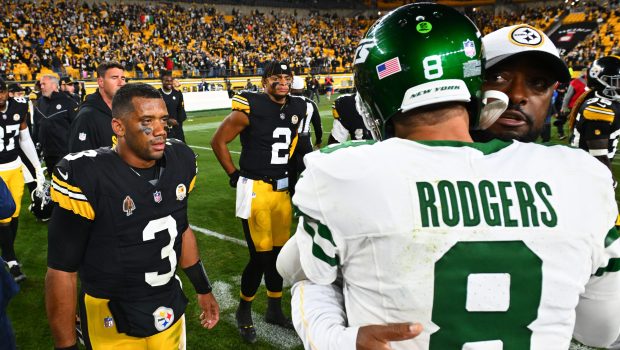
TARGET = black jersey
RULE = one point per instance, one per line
(174, 104)
(348, 121)
(135, 235)
(597, 118)
(266, 142)
(10, 122)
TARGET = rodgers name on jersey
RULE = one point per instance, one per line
(499, 203)
(10, 120)
(266, 142)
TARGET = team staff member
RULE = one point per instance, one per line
(596, 125)
(267, 124)
(92, 126)
(347, 121)
(66, 86)
(53, 114)
(304, 140)
(125, 238)
(175, 106)
(16, 137)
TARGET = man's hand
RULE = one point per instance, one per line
(378, 337)
(233, 178)
(40, 178)
(210, 314)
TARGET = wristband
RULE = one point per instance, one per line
(598, 152)
(233, 178)
(198, 277)
(72, 347)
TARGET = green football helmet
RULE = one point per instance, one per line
(417, 55)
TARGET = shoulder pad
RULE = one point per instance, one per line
(597, 113)
(241, 103)
(67, 188)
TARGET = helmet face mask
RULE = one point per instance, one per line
(604, 77)
(418, 55)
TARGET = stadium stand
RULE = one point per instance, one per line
(70, 37)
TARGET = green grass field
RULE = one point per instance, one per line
(211, 210)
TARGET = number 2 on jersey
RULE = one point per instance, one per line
(277, 147)
(457, 325)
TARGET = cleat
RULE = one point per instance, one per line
(78, 330)
(281, 321)
(246, 330)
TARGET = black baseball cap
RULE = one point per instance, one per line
(16, 87)
(66, 80)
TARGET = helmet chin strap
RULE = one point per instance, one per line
(495, 103)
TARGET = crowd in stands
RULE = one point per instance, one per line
(71, 37)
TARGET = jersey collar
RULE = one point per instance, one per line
(486, 148)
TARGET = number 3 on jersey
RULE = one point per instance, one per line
(278, 147)
(463, 311)
(169, 225)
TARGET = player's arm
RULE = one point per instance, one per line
(230, 128)
(27, 146)
(195, 271)
(339, 133)
(597, 321)
(598, 149)
(67, 240)
(317, 126)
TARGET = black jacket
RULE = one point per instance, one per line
(93, 125)
(52, 119)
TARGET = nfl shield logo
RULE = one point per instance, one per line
(157, 196)
(82, 136)
(469, 48)
(108, 322)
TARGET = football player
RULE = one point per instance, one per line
(126, 237)
(267, 124)
(347, 121)
(14, 137)
(596, 115)
(175, 106)
(472, 240)
(304, 140)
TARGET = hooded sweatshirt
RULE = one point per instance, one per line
(92, 127)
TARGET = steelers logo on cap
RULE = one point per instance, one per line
(526, 36)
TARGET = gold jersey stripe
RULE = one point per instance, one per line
(66, 185)
(79, 207)
(605, 115)
(335, 112)
(240, 103)
(293, 146)
(192, 184)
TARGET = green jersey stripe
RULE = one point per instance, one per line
(613, 266)
(612, 236)
(323, 232)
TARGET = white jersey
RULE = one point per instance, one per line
(489, 246)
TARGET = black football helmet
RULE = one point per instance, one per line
(604, 77)
(41, 203)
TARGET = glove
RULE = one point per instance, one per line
(233, 178)
(40, 178)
